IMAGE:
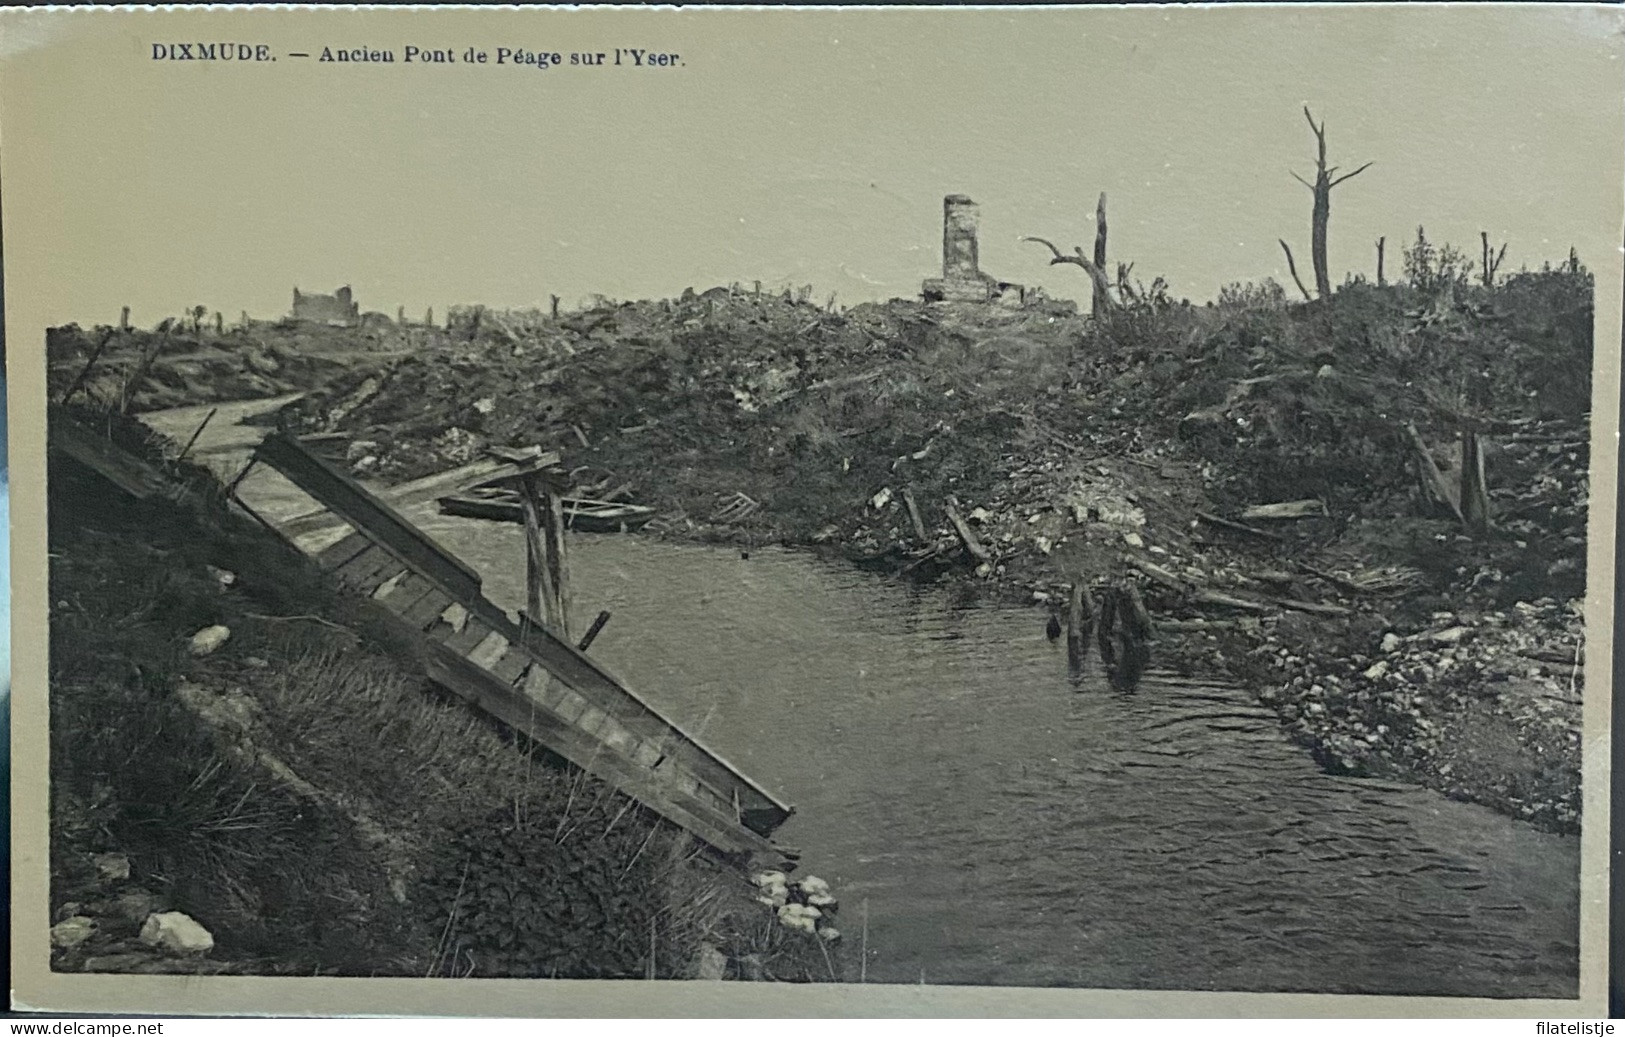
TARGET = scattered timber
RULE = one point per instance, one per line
(966, 535)
(503, 504)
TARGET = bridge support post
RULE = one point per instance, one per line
(547, 569)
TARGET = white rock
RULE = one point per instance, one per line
(209, 639)
(1378, 670)
(712, 964)
(881, 499)
(813, 884)
(821, 900)
(225, 578)
(980, 515)
(829, 933)
(176, 933)
(769, 878)
(1390, 642)
(1133, 539)
(1449, 637)
(71, 932)
(485, 405)
(112, 867)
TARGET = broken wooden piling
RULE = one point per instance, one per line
(1080, 616)
(546, 568)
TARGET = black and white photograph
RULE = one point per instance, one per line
(1098, 502)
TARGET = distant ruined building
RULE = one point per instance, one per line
(962, 278)
(338, 308)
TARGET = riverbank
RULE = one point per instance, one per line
(1013, 452)
(250, 776)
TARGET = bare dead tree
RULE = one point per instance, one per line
(1100, 231)
(1380, 279)
(1325, 179)
(1492, 259)
(1103, 300)
(1096, 268)
(1293, 267)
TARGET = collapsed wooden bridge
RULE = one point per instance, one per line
(519, 671)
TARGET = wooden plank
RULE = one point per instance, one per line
(968, 538)
(489, 650)
(335, 555)
(369, 570)
(129, 473)
(411, 589)
(512, 664)
(914, 515)
(571, 704)
(1292, 509)
(427, 610)
(364, 563)
(463, 641)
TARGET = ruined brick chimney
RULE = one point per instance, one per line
(959, 260)
(962, 278)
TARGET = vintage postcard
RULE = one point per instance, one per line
(806, 512)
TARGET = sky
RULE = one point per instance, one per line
(805, 147)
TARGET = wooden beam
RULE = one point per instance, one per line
(346, 498)
(973, 545)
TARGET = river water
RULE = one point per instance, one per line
(998, 824)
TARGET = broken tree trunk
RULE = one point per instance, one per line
(1492, 259)
(1100, 251)
(1380, 280)
(1320, 215)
